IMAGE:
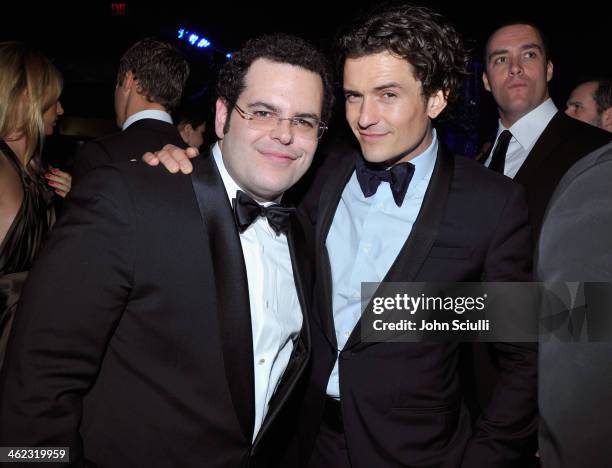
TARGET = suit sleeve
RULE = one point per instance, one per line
(71, 304)
(504, 434)
(89, 156)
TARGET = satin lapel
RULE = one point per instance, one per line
(231, 287)
(328, 203)
(545, 145)
(301, 261)
(423, 235)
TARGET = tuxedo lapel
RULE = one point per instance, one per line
(545, 145)
(301, 262)
(415, 250)
(328, 203)
(231, 288)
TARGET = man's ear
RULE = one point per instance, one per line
(485, 81)
(221, 116)
(436, 103)
(549, 71)
(186, 130)
(606, 119)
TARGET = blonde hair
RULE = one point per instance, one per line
(29, 85)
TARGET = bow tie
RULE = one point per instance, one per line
(369, 177)
(247, 210)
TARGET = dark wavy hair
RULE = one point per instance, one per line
(280, 48)
(160, 68)
(417, 34)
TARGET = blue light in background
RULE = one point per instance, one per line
(203, 43)
(228, 56)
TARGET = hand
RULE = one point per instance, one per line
(60, 181)
(173, 158)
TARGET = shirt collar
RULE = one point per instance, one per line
(528, 128)
(147, 114)
(424, 162)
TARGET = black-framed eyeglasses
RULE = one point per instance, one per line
(264, 119)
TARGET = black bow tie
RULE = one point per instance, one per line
(370, 176)
(247, 210)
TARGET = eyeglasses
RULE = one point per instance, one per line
(305, 127)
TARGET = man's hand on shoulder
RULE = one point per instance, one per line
(173, 158)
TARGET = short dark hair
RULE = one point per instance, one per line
(520, 22)
(160, 68)
(418, 35)
(280, 48)
(603, 95)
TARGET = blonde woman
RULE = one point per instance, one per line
(30, 87)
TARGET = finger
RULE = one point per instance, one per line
(58, 179)
(192, 152)
(185, 166)
(150, 158)
(168, 161)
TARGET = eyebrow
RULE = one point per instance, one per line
(272, 108)
(391, 84)
(523, 47)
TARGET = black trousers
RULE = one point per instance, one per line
(330, 449)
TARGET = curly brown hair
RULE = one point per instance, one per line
(417, 34)
(280, 48)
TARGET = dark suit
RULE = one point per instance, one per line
(576, 377)
(142, 136)
(403, 403)
(133, 341)
(563, 142)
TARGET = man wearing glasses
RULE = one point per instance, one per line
(131, 353)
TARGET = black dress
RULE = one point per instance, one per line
(22, 242)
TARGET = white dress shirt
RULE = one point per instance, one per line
(147, 114)
(276, 314)
(365, 238)
(525, 133)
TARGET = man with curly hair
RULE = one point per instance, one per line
(403, 209)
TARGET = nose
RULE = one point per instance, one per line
(516, 67)
(368, 113)
(59, 110)
(283, 132)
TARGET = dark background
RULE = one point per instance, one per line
(86, 40)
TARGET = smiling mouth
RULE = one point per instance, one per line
(372, 136)
(278, 155)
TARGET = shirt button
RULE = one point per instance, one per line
(267, 304)
(261, 361)
(366, 249)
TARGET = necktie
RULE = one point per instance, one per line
(247, 210)
(370, 176)
(498, 160)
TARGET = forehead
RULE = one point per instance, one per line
(585, 90)
(370, 71)
(289, 87)
(514, 36)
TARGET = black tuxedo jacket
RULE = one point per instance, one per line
(142, 136)
(564, 141)
(403, 404)
(132, 344)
